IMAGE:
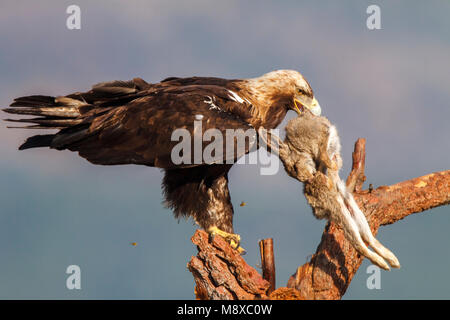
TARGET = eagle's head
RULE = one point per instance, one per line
(286, 87)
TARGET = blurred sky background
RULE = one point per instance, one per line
(390, 86)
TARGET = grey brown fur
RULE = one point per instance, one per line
(311, 154)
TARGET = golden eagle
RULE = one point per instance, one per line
(131, 122)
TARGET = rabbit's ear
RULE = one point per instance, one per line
(271, 141)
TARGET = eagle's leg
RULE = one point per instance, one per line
(220, 213)
(202, 193)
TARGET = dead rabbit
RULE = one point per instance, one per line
(311, 153)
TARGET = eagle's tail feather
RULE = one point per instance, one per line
(71, 113)
(51, 108)
(52, 112)
(38, 141)
(45, 123)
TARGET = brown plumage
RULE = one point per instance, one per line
(131, 122)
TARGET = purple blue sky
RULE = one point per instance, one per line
(390, 86)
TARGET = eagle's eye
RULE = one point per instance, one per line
(300, 90)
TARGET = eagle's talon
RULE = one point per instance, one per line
(233, 239)
(237, 247)
(211, 237)
(241, 251)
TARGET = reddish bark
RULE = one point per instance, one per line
(221, 273)
(268, 262)
(356, 177)
(331, 269)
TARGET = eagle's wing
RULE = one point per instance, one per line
(137, 126)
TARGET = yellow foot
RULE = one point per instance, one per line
(233, 239)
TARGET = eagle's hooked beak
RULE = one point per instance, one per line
(314, 106)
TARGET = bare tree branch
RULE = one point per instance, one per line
(268, 262)
(221, 273)
(356, 177)
(331, 269)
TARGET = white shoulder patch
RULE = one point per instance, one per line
(211, 101)
(234, 96)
